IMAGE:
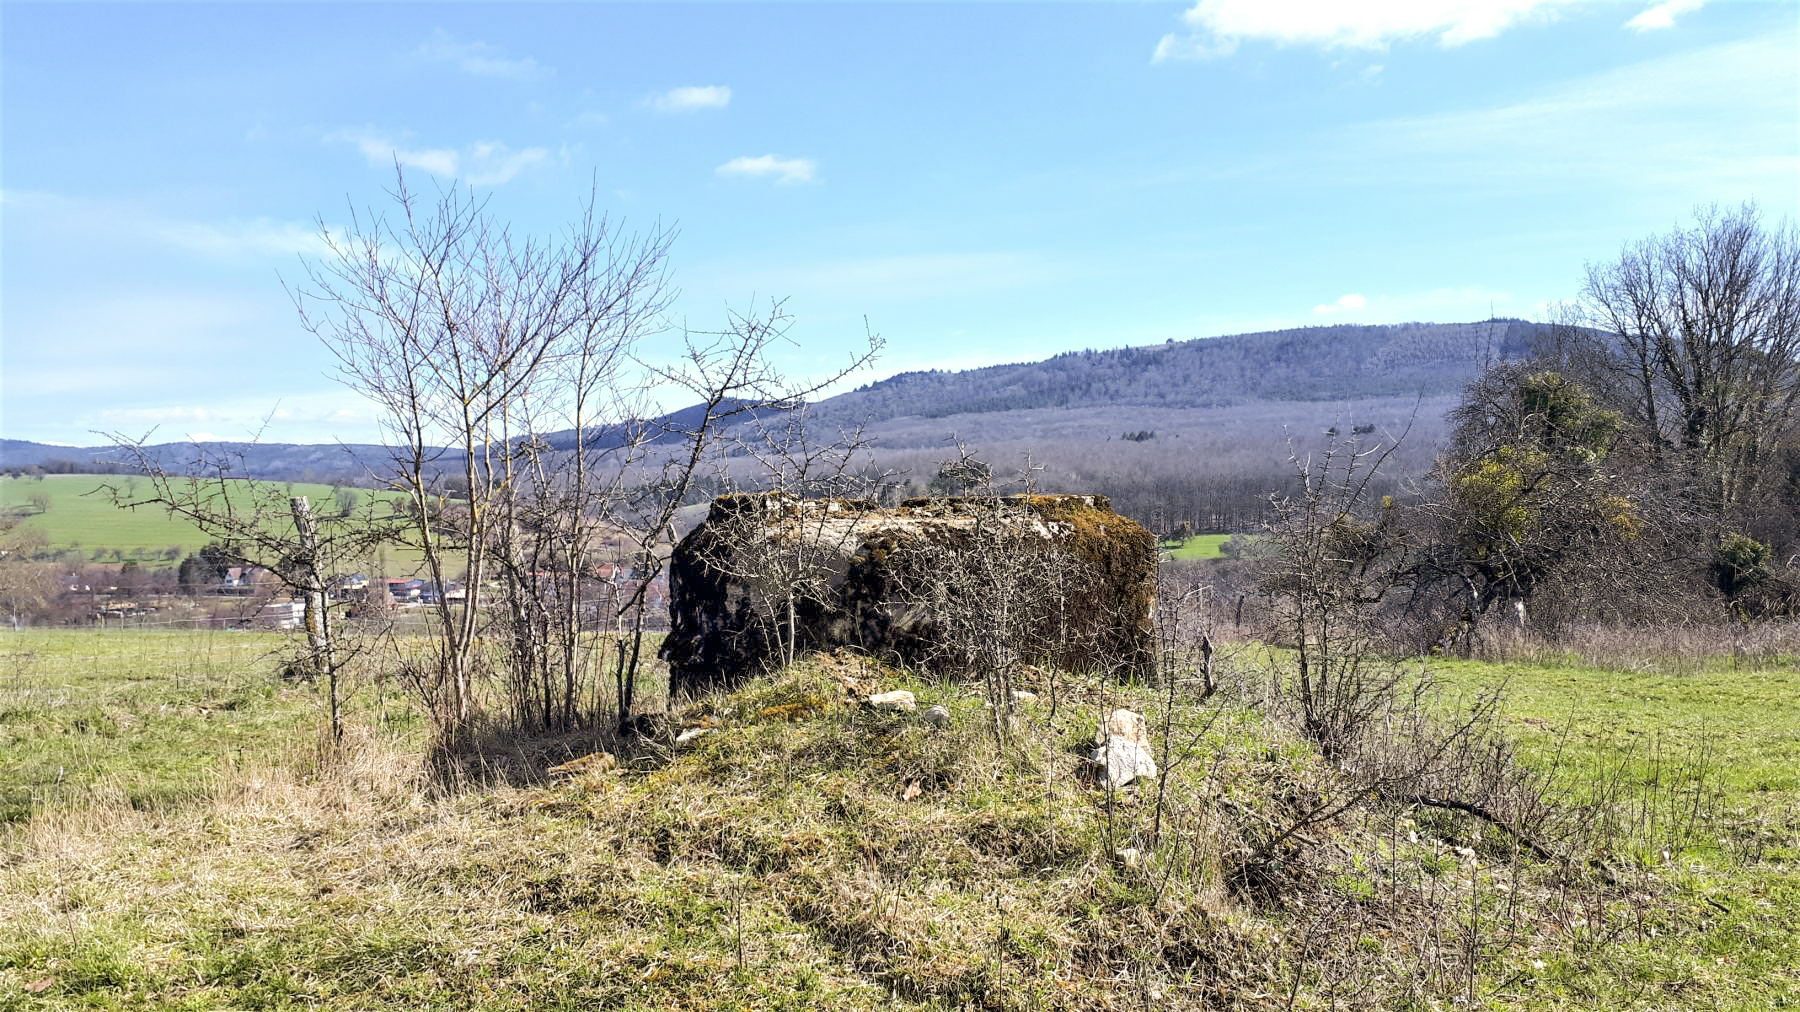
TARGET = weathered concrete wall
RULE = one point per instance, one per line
(947, 584)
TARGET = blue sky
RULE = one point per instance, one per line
(982, 182)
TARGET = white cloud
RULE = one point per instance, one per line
(1190, 47)
(785, 170)
(485, 163)
(258, 236)
(490, 163)
(1215, 28)
(1719, 119)
(379, 151)
(477, 58)
(1469, 303)
(1350, 301)
(1662, 15)
(711, 96)
(117, 222)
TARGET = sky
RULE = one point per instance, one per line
(977, 183)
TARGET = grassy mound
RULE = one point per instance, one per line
(811, 852)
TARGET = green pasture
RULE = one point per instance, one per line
(144, 718)
(1742, 724)
(1710, 761)
(79, 518)
(1198, 547)
(155, 718)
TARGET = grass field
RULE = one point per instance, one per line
(142, 719)
(81, 518)
(1200, 546)
(1717, 756)
(81, 521)
(174, 842)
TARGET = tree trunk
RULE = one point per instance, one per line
(320, 656)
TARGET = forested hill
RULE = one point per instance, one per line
(1341, 363)
(1092, 395)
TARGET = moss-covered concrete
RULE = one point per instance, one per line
(931, 583)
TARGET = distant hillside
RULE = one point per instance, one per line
(1196, 430)
(666, 429)
(1343, 363)
(77, 521)
(329, 463)
(326, 463)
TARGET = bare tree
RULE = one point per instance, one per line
(1336, 557)
(463, 335)
(731, 374)
(1029, 579)
(258, 523)
(1539, 488)
(790, 552)
(25, 584)
(1699, 342)
(988, 591)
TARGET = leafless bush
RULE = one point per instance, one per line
(788, 552)
(303, 553)
(505, 371)
(1194, 616)
(1382, 725)
(1330, 570)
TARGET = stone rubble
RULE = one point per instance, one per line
(1123, 753)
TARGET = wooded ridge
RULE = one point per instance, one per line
(1322, 372)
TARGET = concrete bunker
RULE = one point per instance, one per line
(947, 584)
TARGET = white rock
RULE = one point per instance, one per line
(899, 699)
(1123, 724)
(1124, 751)
(1021, 696)
(937, 716)
(1122, 760)
(1130, 856)
(692, 733)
